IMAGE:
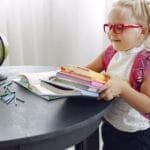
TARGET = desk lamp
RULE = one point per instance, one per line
(3, 54)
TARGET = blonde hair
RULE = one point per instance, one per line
(141, 12)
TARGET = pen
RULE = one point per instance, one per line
(9, 100)
(18, 99)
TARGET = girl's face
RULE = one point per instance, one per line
(129, 37)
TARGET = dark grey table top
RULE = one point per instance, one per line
(58, 124)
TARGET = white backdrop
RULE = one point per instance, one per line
(53, 32)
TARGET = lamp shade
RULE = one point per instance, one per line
(3, 49)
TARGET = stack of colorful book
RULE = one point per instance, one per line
(77, 78)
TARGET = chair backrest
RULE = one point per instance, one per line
(3, 49)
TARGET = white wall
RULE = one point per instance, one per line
(53, 32)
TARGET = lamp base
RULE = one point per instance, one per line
(3, 77)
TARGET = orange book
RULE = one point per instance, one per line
(84, 73)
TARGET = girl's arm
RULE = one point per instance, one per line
(142, 100)
(96, 64)
(138, 100)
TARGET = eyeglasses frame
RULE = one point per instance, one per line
(124, 26)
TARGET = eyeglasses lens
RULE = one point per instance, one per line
(106, 28)
(116, 28)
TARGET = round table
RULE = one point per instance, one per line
(38, 124)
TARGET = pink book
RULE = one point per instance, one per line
(79, 79)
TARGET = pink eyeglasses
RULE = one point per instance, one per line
(118, 28)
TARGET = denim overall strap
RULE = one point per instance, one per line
(108, 54)
(140, 66)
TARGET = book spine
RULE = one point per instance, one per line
(91, 84)
(96, 84)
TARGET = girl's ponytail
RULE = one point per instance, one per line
(147, 43)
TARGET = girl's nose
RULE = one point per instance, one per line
(111, 32)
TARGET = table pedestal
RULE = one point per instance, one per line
(91, 143)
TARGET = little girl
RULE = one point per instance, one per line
(126, 61)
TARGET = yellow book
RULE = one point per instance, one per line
(83, 71)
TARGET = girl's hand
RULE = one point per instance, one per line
(113, 88)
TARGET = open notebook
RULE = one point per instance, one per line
(32, 82)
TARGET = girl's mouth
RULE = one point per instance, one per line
(115, 40)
